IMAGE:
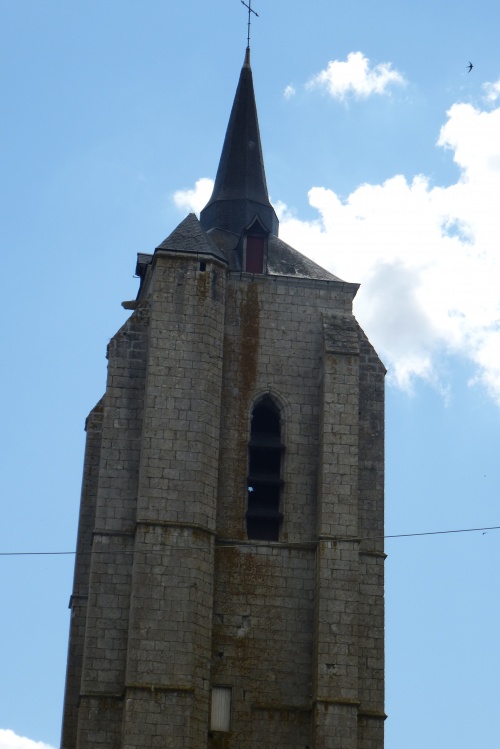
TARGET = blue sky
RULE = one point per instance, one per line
(383, 156)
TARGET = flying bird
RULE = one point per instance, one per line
(470, 66)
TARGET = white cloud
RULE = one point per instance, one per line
(356, 77)
(427, 257)
(289, 91)
(10, 740)
(492, 91)
(196, 199)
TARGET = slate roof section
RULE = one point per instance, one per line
(283, 260)
(239, 198)
(189, 236)
(143, 260)
(240, 190)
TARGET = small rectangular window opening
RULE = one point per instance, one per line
(220, 718)
(203, 266)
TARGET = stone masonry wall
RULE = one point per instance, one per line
(371, 531)
(337, 582)
(262, 643)
(168, 657)
(289, 636)
(79, 597)
(180, 600)
(274, 344)
(104, 660)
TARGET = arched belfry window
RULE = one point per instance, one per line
(265, 452)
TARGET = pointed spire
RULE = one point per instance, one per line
(240, 190)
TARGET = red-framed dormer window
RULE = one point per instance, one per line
(254, 254)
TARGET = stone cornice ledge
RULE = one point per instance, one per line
(347, 701)
(160, 687)
(376, 714)
(175, 524)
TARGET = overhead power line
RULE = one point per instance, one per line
(442, 533)
(35, 553)
(372, 538)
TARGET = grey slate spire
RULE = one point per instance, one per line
(240, 190)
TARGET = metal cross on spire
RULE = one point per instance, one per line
(250, 11)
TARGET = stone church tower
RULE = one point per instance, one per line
(228, 586)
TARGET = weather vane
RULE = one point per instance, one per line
(250, 11)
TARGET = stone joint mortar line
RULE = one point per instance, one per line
(284, 708)
(122, 534)
(234, 544)
(338, 701)
(175, 524)
(161, 687)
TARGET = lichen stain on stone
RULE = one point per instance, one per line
(230, 513)
(239, 573)
(220, 741)
(217, 285)
(241, 346)
(179, 288)
(202, 285)
(249, 340)
(108, 705)
(248, 360)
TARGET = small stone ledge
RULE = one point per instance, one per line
(340, 539)
(175, 524)
(318, 283)
(186, 255)
(101, 696)
(160, 687)
(230, 543)
(77, 600)
(282, 708)
(374, 714)
(346, 701)
(372, 553)
(116, 534)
